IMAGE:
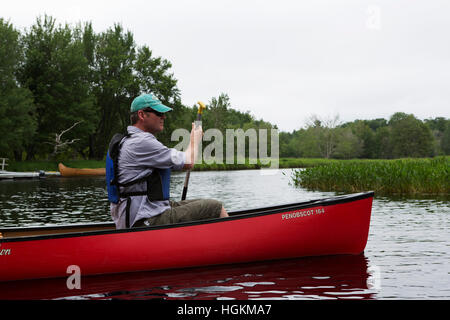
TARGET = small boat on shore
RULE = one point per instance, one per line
(329, 226)
(26, 175)
(73, 172)
(20, 175)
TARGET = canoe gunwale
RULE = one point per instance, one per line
(235, 215)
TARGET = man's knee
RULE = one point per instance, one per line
(214, 207)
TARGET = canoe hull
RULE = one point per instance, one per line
(74, 172)
(322, 229)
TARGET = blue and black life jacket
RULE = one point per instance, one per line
(157, 186)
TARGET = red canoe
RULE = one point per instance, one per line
(337, 225)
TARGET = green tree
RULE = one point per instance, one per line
(445, 142)
(366, 138)
(326, 134)
(123, 71)
(437, 124)
(308, 142)
(410, 137)
(382, 143)
(285, 139)
(220, 115)
(17, 122)
(152, 74)
(217, 111)
(437, 127)
(293, 144)
(114, 85)
(348, 144)
(55, 71)
(376, 123)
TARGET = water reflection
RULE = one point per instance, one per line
(332, 277)
(60, 200)
(53, 201)
(408, 237)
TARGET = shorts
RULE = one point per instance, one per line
(184, 211)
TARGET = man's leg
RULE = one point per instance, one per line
(188, 210)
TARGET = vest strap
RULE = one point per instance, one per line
(127, 213)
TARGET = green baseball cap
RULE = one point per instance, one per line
(147, 100)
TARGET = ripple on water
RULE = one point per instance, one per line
(408, 239)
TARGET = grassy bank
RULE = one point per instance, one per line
(403, 176)
(25, 166)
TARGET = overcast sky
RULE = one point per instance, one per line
(285, 60)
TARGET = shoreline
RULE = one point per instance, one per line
(398, 177)
(284, 163)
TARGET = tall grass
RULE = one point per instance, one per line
(403, 176)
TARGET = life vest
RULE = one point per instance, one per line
(156, 188)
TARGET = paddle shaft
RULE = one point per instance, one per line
(188, 172)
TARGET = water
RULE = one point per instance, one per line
(406, 257)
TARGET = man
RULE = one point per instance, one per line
(143, 164)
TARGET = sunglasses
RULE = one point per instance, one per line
(159, 114)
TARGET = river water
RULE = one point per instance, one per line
(407, 254)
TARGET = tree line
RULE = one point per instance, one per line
(65, 90)
(402, 135)
(53, 76)
(59, 77)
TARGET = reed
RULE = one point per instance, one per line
(402, 176)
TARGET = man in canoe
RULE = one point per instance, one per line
(143, 172)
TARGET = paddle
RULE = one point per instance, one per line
(188, 173)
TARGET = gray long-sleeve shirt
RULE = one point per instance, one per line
(139, 155)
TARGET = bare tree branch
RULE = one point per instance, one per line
(58, 144)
